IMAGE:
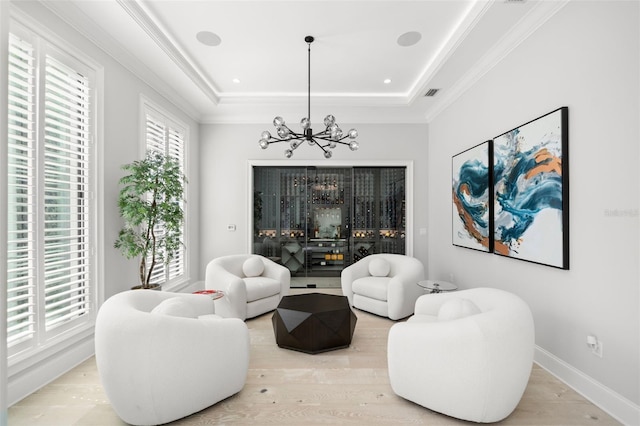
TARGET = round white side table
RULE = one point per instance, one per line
(437, 286)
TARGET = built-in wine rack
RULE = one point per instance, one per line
(318, 220)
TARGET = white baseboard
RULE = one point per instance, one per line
(614, 404)
(30, 380)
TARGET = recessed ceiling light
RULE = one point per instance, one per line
(208, 38)
(409, 39)
(387, 81)
(236, 80)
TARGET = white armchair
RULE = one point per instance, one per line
(384, 284)
(466, 354)
(252, 284)
(162, 356)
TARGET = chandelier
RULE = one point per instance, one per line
(326, 140)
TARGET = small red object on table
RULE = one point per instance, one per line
(215, 294)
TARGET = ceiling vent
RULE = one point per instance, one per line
(431, 93)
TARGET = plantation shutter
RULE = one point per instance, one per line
(162, 137)
(48, 258)
(66, 193)
(175, 147)
(21, 253)
(155, 134)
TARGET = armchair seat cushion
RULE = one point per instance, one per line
(261, 287)
(372, 287)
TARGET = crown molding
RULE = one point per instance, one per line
(154, 30)
(527, 25)
(448, 48)
(83, 24)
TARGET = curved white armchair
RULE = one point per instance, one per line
(252, 284)
(162, 356)
(466, 354)
(384, 284)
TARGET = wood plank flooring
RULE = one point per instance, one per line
(346, 386)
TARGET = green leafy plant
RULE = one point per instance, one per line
(150, 202)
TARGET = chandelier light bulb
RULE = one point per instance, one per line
(329, 120)
(326, 139)
(283, 132)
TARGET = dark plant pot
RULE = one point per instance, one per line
(153, 287)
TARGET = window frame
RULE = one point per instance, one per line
(47, 343)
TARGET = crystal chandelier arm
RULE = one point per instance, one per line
(326, 136)
(292, 138)
(322, 147)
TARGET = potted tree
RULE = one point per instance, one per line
(150, 204)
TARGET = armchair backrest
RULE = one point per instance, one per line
(398, 264)
(144, 301)
(233, 263)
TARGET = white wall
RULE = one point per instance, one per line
(118, 144)
(587, 58)
(225, 153)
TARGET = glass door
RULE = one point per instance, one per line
(379, 223)
(318, 220)
(329, 220)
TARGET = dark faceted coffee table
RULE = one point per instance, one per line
(313, 322)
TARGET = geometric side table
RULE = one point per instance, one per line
(313, 322)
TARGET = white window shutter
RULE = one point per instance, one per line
(50, 281)
(21, 253)
(67, 240)
(163, 136)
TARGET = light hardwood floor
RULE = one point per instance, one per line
(346, 386)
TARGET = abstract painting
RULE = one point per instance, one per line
(472, 195)
(531, 191)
